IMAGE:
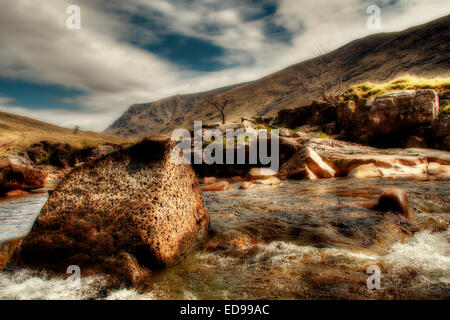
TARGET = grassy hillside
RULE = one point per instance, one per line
(17, 133)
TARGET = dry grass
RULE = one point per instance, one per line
(369, 89)
(445, 111)
(17, 133)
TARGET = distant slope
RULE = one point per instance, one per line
(17, 132)
(142, 119)
(422, 51)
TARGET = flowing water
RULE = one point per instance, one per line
(299, 240)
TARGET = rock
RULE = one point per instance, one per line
(445, 145)
(400, 112)
(238, 179)
(416, 142)
(394, 200)
(289, 146)
(208, 180)
(217, 186)
(271, 181)
(343, 157)
(136, 200)
(246, 185)
(19, 173)
(284, 132)
(16, 193)
(444, 98)
(329, 128)
(436, 169)
(346, 115)
(261, 173)
(246, 124)
(7, 250)
(365, 171)
(229, 126)
(305, 159)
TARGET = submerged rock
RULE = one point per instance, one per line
(135, 201)
(217, 186)
(394, 200)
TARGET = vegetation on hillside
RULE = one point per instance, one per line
(445, 111)
(370, 90)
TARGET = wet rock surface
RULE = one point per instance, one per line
(135, 201)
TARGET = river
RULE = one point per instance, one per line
(299, 240)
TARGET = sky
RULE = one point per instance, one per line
(137, 51)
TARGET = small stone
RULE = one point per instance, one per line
(394, 200)
(272, 181)
(246, 185)
(16, 193)
(261, 173)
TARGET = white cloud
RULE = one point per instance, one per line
(98, 59)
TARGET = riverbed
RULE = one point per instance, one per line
(299, 240)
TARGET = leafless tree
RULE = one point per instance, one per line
(220, 104)
(326, 77)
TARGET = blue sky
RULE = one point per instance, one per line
(141, 50)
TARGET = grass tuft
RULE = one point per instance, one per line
(370, 90)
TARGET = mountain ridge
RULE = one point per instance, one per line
(422, 51)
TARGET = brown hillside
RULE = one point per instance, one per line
(17, 132)
(421, 51)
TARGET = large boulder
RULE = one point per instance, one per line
(400, 112)
(17, 172)
(136, 202)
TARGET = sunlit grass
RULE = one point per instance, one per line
(445, 111)
(369, 89)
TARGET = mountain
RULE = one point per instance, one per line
(17, 133)
(421, 51)
(154, 117)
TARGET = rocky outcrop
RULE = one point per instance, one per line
(303, 162)
(402, 111)
(357, 161)
(135, 201)
(19, 173)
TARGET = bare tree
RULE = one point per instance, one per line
(326, 77)
(220, 104)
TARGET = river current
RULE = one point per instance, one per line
(299, 240)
